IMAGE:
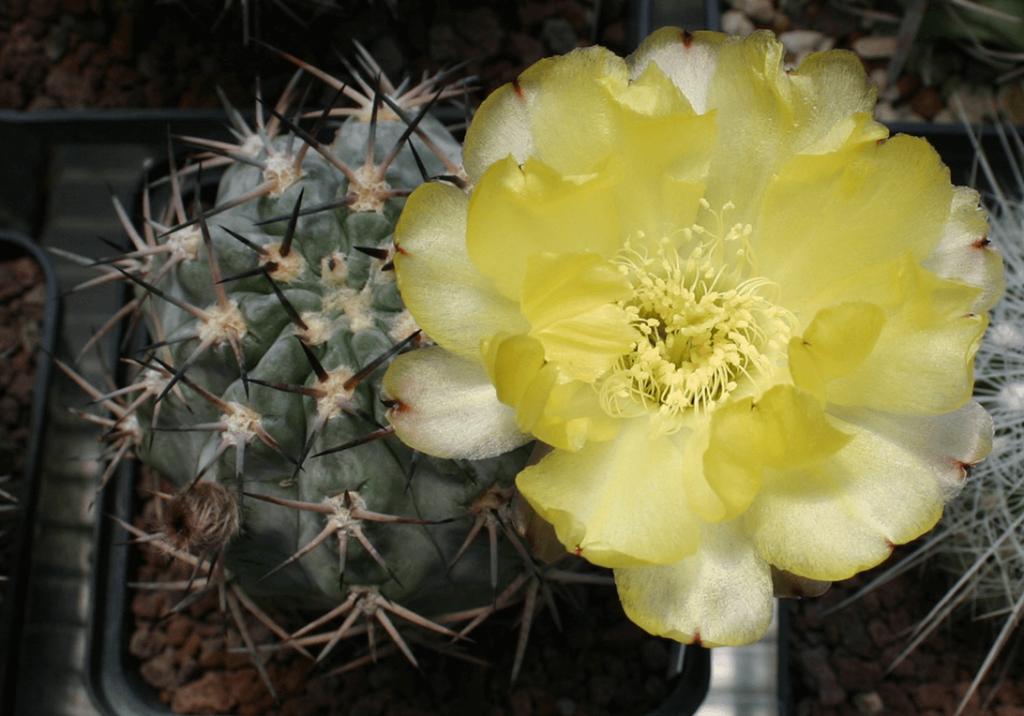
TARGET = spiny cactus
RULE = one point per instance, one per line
(989, 30)
(980, 540)
(985, 547)
(987, 25)
(269, 315)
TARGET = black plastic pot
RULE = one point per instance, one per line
(14, 245)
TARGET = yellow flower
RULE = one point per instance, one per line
(744, 318)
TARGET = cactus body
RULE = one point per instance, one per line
(262, 392)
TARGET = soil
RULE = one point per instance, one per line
(936, 71)
(838, 662)
(22, 310)
(176, 53)
(598, 663)
(148, 53)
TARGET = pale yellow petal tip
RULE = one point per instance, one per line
(445, 406)
(685, 603)
(675, 37)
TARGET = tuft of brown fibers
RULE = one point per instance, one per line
(201, 518)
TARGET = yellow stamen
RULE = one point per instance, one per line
(709, 326)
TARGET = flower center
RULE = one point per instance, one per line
(708, 327)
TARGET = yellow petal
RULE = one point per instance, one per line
(825, 218)
(512, 362)
(665, 178)
(688, 59)
(570, 302)
(950, 444)
(783, 428)
(617, 503)
(830, 520)
(573, 416)
(451, 300)
(581, 85)
(516, 211)
(527, 117)
(965, 254)
(502, 127)
(556, 409)
(446, 407)
(766, 116)
(613, 114)
(923, 360)
(838, 340)
(719, 596)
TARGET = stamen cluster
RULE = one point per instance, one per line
(706, 329)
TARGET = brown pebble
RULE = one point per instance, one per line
(25, 271)
(21, 388)
(926, 102)
(374, 703)
(211, 652)
(896, 699)
(9, 336)
(208, 630)
(244, 685)
(236, 657)
(817, 670)
(161, 671)
(148, 604)
(76, 7)
(527, 49)
(868, 703)
(521, 703)
(10, 410)
(905, 668)
(190, 647)
(856, 674)
(900, 620)
(934, 695)
(1013, 103)
(855, 635)
(293, 680)
(907, 85)
(880, 632)
(1008, 692)
(209, 602)
(624, 635)
(654, 655)
(121, 44)
(295, 706)
(973, 703)
(178, 627)
(601, 689)
(208, 694)
(145, 643)
(544, 702)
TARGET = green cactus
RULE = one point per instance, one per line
(270, 314)
(983, 22)
(305, 391)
